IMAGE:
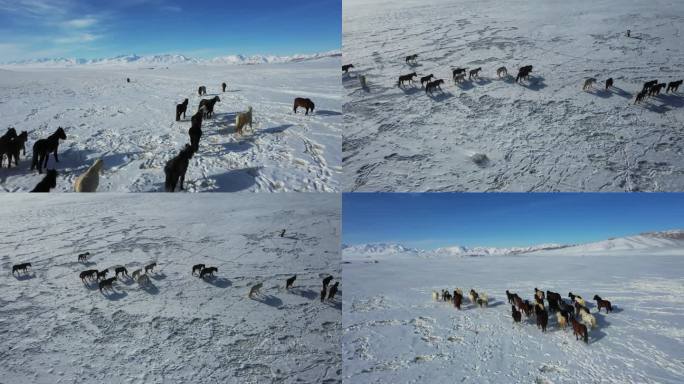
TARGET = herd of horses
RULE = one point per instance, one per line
(575, 312)
(141, 276)
(458, 75)
(12, 145)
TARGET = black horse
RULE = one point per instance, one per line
(43, 147)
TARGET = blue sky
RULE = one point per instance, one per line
(97, 28)
(432, 220)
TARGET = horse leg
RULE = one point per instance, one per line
(56, 157)
(182, 180)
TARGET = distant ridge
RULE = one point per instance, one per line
(155, 60)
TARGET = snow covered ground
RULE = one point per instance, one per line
(133, 128)
(394, 332)
(182, 329)
(493, 134)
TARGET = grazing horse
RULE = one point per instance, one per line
(202, 90)
(289, 282)
(208, 271)
(426, 79)
(411, 59)
(347, 67)
(406, 78)
(542, 317)
(23, 267)
(181, 109)
(107, 283)
(609, 83)
(43, 147)
(223, 86)
(256, 290)
(150, 267)
(517, 315)
(48, 182)
(580, 330)
(176, 168)
(588, 83)
(102, 274)
(88, 274)
(120, 270)
(333, 290)
(431, 86)
(82, 257)
(197, 267)
(501, 71)
(474, 73)
(305, 103)
(600, 303)
(673, 86)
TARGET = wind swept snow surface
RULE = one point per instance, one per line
(492, 134)
(180, 329)
(393, 332)
(132, 125)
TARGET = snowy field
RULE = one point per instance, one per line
(133, 128)
(492, 134)
(182, 329)
(393, 332)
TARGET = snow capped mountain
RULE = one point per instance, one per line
(665, 241)
(171, 59)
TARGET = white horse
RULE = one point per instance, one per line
(588, 319)
(562, 322)
(90, 179)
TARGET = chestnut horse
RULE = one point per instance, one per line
(600, 303)
(580, 330)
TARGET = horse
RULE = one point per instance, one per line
(83, 257)
(245, 118)
(501, 71)
(483, 300)
(523, 73)
(459, 78)
(208, 271)
(333, 290)
(143, 280)
(197, 267)
(181, 109)
(588, 319)
(562, 321)
(323, 292)
(120, 270)
(195, 130)
(542, 317)
(347, 67)
(5, 141)
(202, 90)
(411, 59)
(600, 303)
(136, 273)
(289, 282)
(176, 168)
(87, 274)
(13, 148)
(431, 86)
(48, 182)
(102, 274)
(150, 267)
(255, 290)
(406, 78)
(580, 330)
(23, 267)
(435, 295)
(305, 103)
(43, 147)
(474, 73)
(580, 308)
(327, 281)
(90, 179)
(458, 298)
(209, 106)
(517, 316)
(128, 79)
(609, 83)
(640, 97)
(673, 86)
(539, 293)
(426, 79)
(106, 283)
(472, 295)
(589, 83)
(526, 307)
(223, 86)
(510, 297)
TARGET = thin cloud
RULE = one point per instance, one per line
(82, 38)
(80, 23)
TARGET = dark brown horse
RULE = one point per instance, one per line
(673, 86)
(406, 78)
(181, 108)
(517, 316)
(609, 83)
(431, 86)
(90, 274)
(43, 147)
(14, 148)
(510, 296)
(106, 283)
(580, 330)
(290, 281)
(426, 79)
(458, 299)
(48, 182)
(600, 303)
(542, 317)
(197, 267)
(150, 267)
(307, 104)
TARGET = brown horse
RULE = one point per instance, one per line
(307, 104)
(426, 79)
(431, 86)
(88, 274)
(580, 330)
(600, 303)
(406, 78)
(527, 308)
(542, 317)
(458, 299)
(517, 316)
